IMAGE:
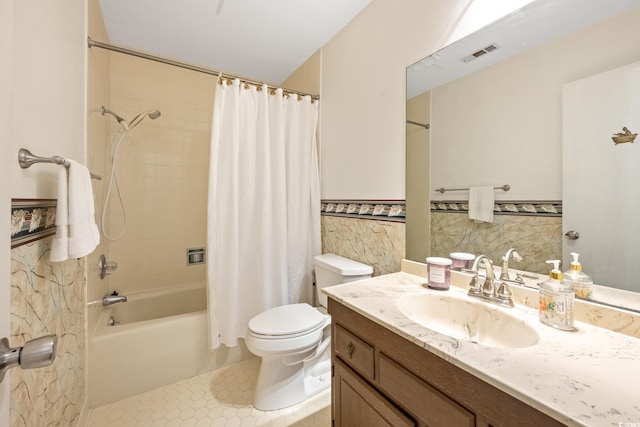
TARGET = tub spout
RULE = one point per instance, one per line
(112, 299)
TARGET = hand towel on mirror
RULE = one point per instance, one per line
(481, 203)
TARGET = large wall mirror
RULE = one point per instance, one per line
(488, 111)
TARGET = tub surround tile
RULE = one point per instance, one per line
(380, 244)
(581, 378)
(47, 298)
(373, 232)
(537, 238)
(163, 173)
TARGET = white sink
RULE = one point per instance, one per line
(462, 317)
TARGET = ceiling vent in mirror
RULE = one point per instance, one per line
(477, 54)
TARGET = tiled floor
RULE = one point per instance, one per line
(221, 398)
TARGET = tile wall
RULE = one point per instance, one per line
(372, 232)
(162, 172)
(47, 298)
(533, 228)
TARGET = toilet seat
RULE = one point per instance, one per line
(287, 321)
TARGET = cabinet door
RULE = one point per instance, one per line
(357, 404)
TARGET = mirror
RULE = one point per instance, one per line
(493, 102)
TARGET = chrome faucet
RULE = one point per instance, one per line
(112, 299)
(492, 290)
(504, 274)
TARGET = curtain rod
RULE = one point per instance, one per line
(93, 43)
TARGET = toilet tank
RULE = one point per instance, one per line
(332, 269)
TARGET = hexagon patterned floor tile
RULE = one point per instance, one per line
(221, 398)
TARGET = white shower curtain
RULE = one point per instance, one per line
(263, 223)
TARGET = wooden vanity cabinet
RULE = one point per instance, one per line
(381, 379)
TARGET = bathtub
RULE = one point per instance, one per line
(162, 338)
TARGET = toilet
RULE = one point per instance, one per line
(294, 341)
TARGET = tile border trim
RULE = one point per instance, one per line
(547, 208)
(31, 220)
(379, 210)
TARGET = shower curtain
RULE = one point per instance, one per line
(263, 223)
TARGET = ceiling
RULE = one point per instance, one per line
(256, 39)
(513, 34)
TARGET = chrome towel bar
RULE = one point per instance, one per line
(26, 159)
(505, 187)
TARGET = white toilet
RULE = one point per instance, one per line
(294, 341)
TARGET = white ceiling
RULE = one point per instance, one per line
(533, 25)
(257, 39)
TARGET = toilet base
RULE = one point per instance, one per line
(280, 385)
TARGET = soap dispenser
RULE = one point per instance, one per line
(576, 278)
(556, 300)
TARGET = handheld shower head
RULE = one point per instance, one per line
(153, 114)
(120, 120)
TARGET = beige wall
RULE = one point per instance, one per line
(163, 169)
(48, 90)
(47, 103)
(379, 244)
(307, 77)
(98, 128)
(363, 103)
(520, 127)
(418, 144)
(363, 88)
(6, 52)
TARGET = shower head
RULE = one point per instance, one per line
(120, 120)
(153, 114)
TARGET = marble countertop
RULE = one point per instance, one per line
(588, 377)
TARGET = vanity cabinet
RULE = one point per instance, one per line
(382, 379)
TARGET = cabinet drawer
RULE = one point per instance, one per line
(421, 399)
(357, 404)
(355, 352)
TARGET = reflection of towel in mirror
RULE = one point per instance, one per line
(481, 203)
(76, 232)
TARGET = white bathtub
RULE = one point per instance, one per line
(162, 338)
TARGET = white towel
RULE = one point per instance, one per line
(76, 232)
(60, 244)
(481, 203)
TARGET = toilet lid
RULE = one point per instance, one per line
(292, 319)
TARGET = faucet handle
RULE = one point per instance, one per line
(504, 273)
(503, 294)
(489, 287)
(474, 285)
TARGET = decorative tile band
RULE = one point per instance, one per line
(380, 210)
(31, 220)
(503, 207)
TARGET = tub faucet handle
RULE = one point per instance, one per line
(105, 268)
